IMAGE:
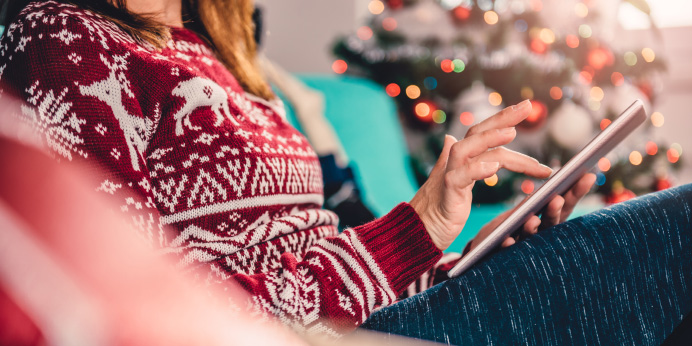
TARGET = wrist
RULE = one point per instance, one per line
(425, 215)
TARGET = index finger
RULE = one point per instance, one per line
(508, 117)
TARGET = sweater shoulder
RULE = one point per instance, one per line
(67, 22)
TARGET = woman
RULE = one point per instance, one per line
(164, 97)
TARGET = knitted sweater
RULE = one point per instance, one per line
(212, 175)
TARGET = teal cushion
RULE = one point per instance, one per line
(365, 119)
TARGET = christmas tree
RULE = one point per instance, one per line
(452, 63)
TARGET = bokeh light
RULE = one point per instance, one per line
(572, 41)
(538, 46)
(527, 186)
(521, 25)
(393, 90)
(594, 105)
(555, 93)
(422, 109)
(537, 5)
(430, 83)
(491, 17)
(636, 158)
(364, 33)
(585, 77)
(439, 116)
(538, 112)
(630, 58)
(459, 65)
(648, 54)
(495, 99)
(597, 93)
(462, 12)
(677, 148)
(600, 179)
(673, 155)
(585, 31)
(526, 93)
(581, 10)
(547, 36)
(651, 148)
(617, 79)
(447, 66)
(339, 66)
(376, 7)
(413, 92)
(657, 119)
(604, 124)
(491, 181)
(598, 58)
(604, 164)
(466, 118)
(389, 24)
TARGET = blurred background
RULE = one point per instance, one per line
(447, 64)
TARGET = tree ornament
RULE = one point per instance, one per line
(662, 183)
(535, 120)
(474, 101)
(395, 4)
(619, 98)
(570, 125)
(619, 193)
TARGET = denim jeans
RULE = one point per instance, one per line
(622, 276)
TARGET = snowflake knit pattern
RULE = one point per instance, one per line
(212, 175)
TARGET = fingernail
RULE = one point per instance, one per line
(523, 104)
(490, 166)
(508, 131)
(547, 168)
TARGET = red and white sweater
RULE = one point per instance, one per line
(209, 173)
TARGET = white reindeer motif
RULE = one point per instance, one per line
(200, 92)
(110, 90)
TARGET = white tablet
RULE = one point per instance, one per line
(558, 184)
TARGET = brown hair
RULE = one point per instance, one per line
(226, 24)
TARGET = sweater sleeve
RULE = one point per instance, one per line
(49, 63)
(52, 62)
(343, 279)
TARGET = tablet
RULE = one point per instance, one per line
(558, 184)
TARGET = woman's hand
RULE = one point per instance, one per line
(444, 201)
(557, 211)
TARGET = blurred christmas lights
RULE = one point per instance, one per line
(491, 181)
(339, 66)
(604, 164)
(648, 54)
(466, 118)
(376, 7)
(651, 148)
(527, 186)
(491, 17)
(393, 90)
(364, 33)
(635, 158)
(413, 92)
(657, 119)
(389, 24)
(604, 123)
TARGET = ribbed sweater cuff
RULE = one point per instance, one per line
(400, 245)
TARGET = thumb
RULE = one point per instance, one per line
(444, 155)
